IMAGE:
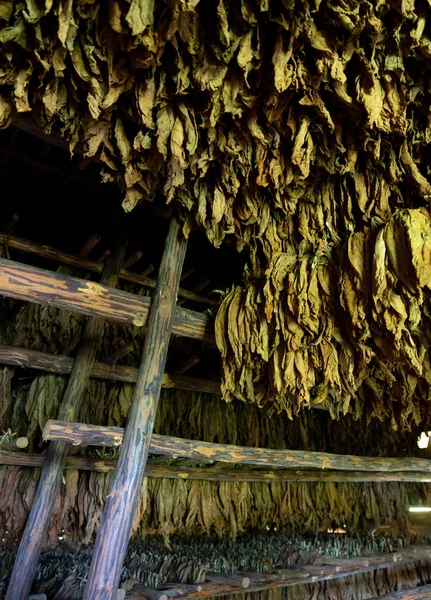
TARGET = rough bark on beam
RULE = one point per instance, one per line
(33, 538)
(422, 592)
(113, 536)
(92, 265)
(98, 435)
(57, 363)
(216, 474)
(284, 578)
(32, 284)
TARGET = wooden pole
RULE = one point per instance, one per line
(113, 537)
(58, 363)
(32, 284)
(98, 435)
(422, 592)
(50, 478)
(172, 471)
(94, 266)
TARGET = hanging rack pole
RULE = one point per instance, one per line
(51, 475)
(113, 536)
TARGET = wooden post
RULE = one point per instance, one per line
(50, 478)
(113, 537)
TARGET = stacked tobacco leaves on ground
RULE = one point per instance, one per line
(152, 563)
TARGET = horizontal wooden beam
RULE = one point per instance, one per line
(226, 585)
(80, 262)
(57, 363)
(423, 592)
(19, 459)
(98, 435)
(32, 284)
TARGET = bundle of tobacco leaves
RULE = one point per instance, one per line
(301, 127)
(336, 327)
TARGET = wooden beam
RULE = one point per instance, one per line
(226, 585)
(133, 259)
(422, 592)
(58, 363)
(50, 253)
(18, 459)
(32, 284)
(122, 351)
(188, 364)
(98, 435)
(151, 283)
(121, 502)
(95, 266)
(89, 245)
(50, 478)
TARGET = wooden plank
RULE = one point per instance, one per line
(82, 262)
(98, 435)
(57, 363)
(218, 474)
(51, 475)
(423, 592)
(32, 284)
(121, 502)
(282, 578)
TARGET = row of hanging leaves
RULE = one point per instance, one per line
(299, 127)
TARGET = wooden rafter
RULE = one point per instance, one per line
(94, 266)
(32, 284)
(217, 474)
(98, 435)
(423, 592)
(61, 364)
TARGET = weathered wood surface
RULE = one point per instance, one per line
(94, 266)
(121, 502)
(57, 363)
(32, 284)
(218, 474)
(282, 578)
(98, 435)
(422, 592)
(51, 475)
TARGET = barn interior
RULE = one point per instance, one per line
(288, 455)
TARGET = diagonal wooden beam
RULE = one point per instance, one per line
(50, 478)
(32, 284)
(98, 435)
(120, 507)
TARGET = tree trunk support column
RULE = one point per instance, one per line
(51, 475)
(121, 502)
